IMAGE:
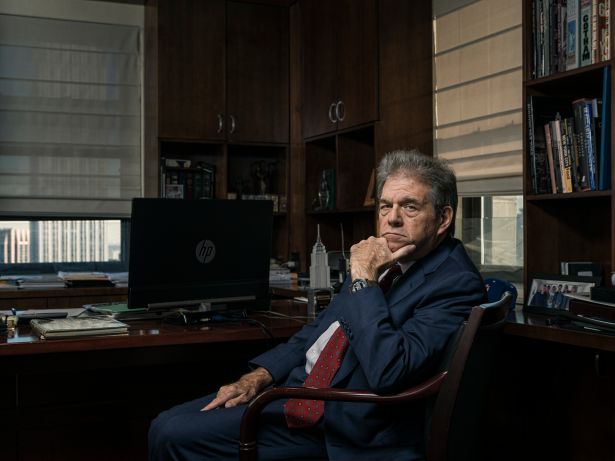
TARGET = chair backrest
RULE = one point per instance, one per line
(497, 287)
(455, 417)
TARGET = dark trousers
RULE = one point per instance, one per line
(184, 433)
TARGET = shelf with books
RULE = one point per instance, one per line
(567, 35)
(187, 182)
(568, 193)
(568, 135)
(191, 170)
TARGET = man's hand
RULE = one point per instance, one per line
(369, 257)
(241, 391)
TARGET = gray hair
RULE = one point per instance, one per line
(430, 171)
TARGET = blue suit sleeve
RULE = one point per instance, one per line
(398, 344)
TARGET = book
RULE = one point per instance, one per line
(75, 327)
(572, 35)
(550, 158)
(600, 33)
(121, 311)
(585, 32)
(604, 167)
(541, 111)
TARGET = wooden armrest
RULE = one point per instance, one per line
(247, 437)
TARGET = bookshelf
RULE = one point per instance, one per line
(344, 162)
(578, 223)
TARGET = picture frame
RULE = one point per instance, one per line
(547, 292)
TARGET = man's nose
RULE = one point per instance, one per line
(395, 217)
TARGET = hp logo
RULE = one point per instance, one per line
(205, 251)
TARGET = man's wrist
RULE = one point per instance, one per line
(359, 284)
(261, 376)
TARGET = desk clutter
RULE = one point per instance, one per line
(77, 327)
(59, 323)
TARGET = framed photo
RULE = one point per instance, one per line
(547, 292)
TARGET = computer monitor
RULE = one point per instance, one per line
(199, 254)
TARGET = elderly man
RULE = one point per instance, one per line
(409, 290)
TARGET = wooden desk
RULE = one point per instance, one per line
(553, 394)
(552, 397)
(93, 398)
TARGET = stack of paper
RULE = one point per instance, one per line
(77, 326)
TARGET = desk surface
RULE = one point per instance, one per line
(535, 326)
(151, 333)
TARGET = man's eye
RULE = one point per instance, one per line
(385, 208)
(409, 207)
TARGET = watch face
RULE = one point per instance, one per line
(358, 284)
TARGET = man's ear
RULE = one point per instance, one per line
(446, 218)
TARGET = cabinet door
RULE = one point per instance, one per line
(191, 73)
(257, 73)
(357, 62)
(319, 38)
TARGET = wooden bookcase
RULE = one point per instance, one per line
(576, 226)
(217, 94)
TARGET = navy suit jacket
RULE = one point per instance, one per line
(395, 341)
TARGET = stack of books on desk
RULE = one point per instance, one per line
(43, 281)
(85, 279)
(75, 327)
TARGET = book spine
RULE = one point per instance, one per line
(600, 32)
(581, 144)
(572, 39)
(550, 158)
(532, 145)
(547, 35)
(606, 36)
(604, 182)
(556, 141)
(585, 14)
(588, 131)
(553, 22)
(595, 47)
(566, 156)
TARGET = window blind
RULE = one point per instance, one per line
(478, 93)
(70, 117)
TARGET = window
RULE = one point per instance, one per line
(52, 245)
(491, 227)
(478, 124)
(70, 131)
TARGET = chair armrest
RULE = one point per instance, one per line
(249, 429)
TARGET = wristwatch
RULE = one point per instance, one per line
(359, 284)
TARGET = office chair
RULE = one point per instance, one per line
(456, 392)
(497, 287)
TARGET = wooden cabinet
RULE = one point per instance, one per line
(257, 73)
(340, 64)
(376, 58)
(190, 36)
(217, 94)
(573, 226)
(222, 71)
